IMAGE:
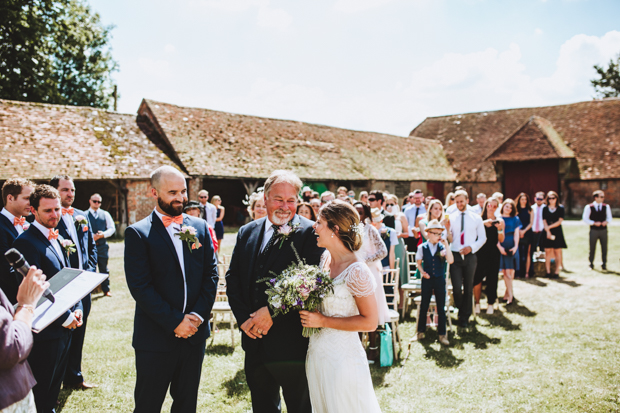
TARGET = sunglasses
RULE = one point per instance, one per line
(552, 197)
(202, 197)
(372, 199)
(390, 204)
(540, 199)
(95, 202)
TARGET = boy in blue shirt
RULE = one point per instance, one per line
(431, 258)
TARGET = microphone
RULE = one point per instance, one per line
(17, 261)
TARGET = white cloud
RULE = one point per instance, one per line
(538, 31)
(274, 18)
(353, 6)
(169, 48)
(229, 5)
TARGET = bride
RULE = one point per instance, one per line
(336, 366)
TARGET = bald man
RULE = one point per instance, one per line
(171, 272)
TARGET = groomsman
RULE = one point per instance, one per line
(598, 216)
(103, 227)
(74, 225)
(41, 248)
(173, 276)
(16, 198)
(209, 209)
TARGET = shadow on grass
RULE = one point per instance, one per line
(471, 335)
(534, 281)
(564, 281)
(378, 373)
(63, 397)
(236, 386)
(498, 319)
(517, 308)
(220, 350)
(607, 272)
(443, 357)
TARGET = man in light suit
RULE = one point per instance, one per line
(74, 226)
(16, 198)
(41, 248)
(172, 274)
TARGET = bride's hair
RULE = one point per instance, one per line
(343, 215)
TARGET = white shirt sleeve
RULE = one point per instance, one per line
(109, 223)
(586, 215)
(482, 236)
(609, 217)
(69, 320)
(419, 254)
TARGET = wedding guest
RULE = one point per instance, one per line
(315, 195)
(16, 198)
(103, 228)
(553, 216)
(524, 212)
(209, 209)
(305, 210)
(306, 193)
(468, 236)
(435, 211)
(388, 235)
(256, 207)
(538, 226)
(488, 256)
(364, 197)
(480, 199)
(449, 201)
(432, 257)
(74, 226)
(173, 302)
(598, 216)
(509, 248)
(41, 247)
(408, 201)
(16, 379)
(219, 223)
(351, 194)
(327, 196)
(402, 233)
(316, 206)
(415, 210)
(500, 197)
(194, 209)
(342, 191)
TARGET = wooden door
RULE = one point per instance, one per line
(530, 177)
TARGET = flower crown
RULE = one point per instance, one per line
(359, 228)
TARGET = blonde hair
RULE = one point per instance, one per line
(216, 198)
(253, 199)
(430, 208)
(282, 176)
(449, 197)
(344, 216)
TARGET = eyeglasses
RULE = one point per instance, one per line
(434, 233)
(372, 199)
(202, 196)
(540, 199)
(95, 202)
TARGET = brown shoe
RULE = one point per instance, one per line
(444, 340)
(83, 386)
(107, 294)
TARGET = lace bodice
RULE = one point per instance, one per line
(373, 248)
(355, 281)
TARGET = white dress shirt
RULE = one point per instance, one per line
(537, 221)
(210, 213)
(178, 247)
(475, 236)
(11, 218)
(109, 222)
(419, 255)
(61, 254)
(267, 235)
(477, 209)
(70, 224)
(597, 206)
(410, 214)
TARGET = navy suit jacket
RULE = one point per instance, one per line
(8, 280)
(38, 251)
(284, 341)
(86, 242)
(155, 280)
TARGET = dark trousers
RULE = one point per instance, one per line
(178, 370)
(412, 244)
(433, 286)
(266, 379)
(537, 241)
(48, 361)
(524, 244)
(598, 235)
(462, 274)
(73, 374)
(102, 263)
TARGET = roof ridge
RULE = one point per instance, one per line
(55, 105)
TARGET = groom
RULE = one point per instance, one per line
(173, 281)
(275, 350)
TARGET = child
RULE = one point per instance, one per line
(430, 258)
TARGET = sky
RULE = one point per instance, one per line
(374, 65)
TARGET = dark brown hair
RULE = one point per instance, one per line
(513, 210)
(55, 181)
(344, 216)
(15, 187)
(518, 199)
(42, 191)
(557, 198)
(307, 205)
(484, 213)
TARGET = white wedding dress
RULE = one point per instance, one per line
(336, 365)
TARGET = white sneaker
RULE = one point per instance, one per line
(489, 309)
(477, 309)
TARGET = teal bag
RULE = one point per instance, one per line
(386, 358)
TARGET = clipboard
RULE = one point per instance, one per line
(69, 286)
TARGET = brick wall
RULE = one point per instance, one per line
(581, 195)
(140, 203)
(194, 185)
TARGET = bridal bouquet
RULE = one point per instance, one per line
(299, 287)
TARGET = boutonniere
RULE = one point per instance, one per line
(188, 234)
(286, 231)
(68, 245)
(25, 226)
(81, 220)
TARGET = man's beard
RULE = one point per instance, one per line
(170, 209)
(280, 221)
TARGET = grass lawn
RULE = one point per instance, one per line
(556, 350)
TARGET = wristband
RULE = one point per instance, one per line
(26, 307)
(501, 231)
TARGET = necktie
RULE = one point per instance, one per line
(273, 239)
(67, 211)
(417, 211)
(19, 221)
(53, 234)
(168, 220)
(462, 229)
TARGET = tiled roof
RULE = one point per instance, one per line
(41, 140)
(220, 144)
(591, 130)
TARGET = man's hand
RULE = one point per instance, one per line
(79, 317)
(465, 250)
(604, 223)
(425, 274)
(73, 325)
(262, 322)
(186, 329)
(247, 326)
(195, 320)
(98, 235)
(597, 224)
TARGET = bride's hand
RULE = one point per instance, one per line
(311, 319)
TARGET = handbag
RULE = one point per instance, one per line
(386, 357)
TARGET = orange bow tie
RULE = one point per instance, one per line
(19, 221)
(67, 211)
(167, 220)
(53, 234)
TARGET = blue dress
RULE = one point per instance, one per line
(219, 226)
(510, 262)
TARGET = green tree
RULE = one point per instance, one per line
(55, 51)
(609, 83)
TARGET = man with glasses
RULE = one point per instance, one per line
(209, 209)
(598, 216)
(412, 212)
(377, 200)
(103, 227)
(538, 226)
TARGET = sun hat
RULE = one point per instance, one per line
(376, 214)
(434, 224)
